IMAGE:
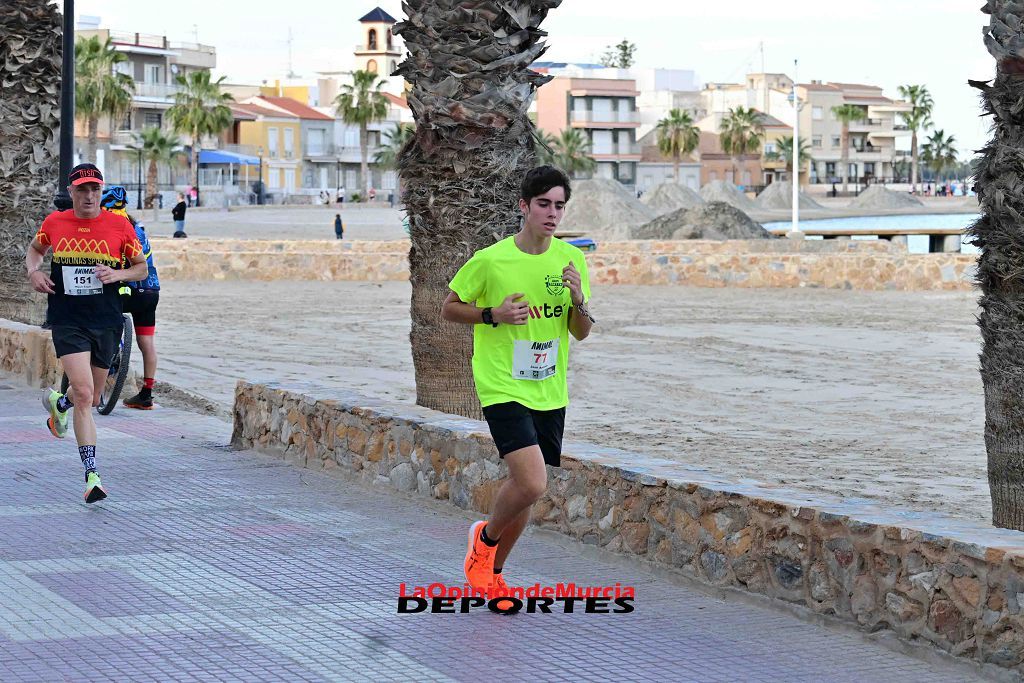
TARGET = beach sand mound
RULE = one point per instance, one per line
(713, 221)
(669, 197)
(722, 191)
(878, 197)
(779, 195)
(604, 209)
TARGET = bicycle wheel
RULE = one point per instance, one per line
(118, 372)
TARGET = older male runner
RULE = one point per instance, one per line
(90, 248)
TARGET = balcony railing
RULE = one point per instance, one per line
(157, 42)
(605, 116)
(158, 90)
(617, 150)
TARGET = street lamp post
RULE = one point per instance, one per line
(259, 186)
(337, 178)
(794, 231)
(61, 198)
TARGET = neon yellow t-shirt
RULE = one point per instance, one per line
(522, 363)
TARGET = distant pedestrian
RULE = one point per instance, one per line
(178, 215)
(341, 195)
(193, 196)
(373, 194)
(339, 227)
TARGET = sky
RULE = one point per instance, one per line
(882, 42)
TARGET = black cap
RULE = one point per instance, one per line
(85, 173)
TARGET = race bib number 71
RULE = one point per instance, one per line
(534, 360)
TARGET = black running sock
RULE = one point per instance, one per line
(64, 404)
(88, 456)
(487, 539)
(497, 570)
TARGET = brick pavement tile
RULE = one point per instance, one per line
(214, 565)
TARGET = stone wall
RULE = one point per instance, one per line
(26, 351)
(951, 583)
(860, 264)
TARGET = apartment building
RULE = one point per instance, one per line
(873, 139)
(153, 62)
(604, 110)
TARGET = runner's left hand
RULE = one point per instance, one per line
(107, 275)
(571, 278)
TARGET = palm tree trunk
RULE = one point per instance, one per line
(913, 162)
(195, 163)
(846, 158)
(675, 168)
(463, 168)
(364, 165)
(28, 169)
(151, 184)
(997, 183)
(91, 140)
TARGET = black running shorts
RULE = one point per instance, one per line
(514, 426)
(101, 344)
(142, 306)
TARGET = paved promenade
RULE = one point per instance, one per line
(210, 565)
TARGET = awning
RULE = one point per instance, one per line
(218, 156)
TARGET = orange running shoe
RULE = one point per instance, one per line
(479, 565)
(500, 588)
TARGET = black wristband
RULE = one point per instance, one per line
(487, 318)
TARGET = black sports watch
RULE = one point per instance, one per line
(488, 318)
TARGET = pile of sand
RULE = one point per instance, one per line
(722, 191)
(713, 221)
(779, 195)
(878, 197)
(604, 209)
(669, 197)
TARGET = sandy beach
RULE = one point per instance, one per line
(865, 394)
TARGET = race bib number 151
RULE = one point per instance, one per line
(81, 281)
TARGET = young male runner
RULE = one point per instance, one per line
(83, 309)
(524, 295)
(140, 300)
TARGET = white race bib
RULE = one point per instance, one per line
(534, 360)
(81, 281)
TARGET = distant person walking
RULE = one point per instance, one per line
(193, 196)
(178, 215)
(341, 195)
(373, 194)
(339, 227)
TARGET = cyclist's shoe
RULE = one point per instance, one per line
(57, 423)
(479, 565)
(139, 401)
(94, 488)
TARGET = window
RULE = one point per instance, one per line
(126, 68)
(154, 73)
(837, 140)
(126, 122)
(272, 144)
(830, 169)
(770, 148)
(152, 119)
(389, 39)
(315, 143)
(273, 178)
(289, 143)
(371, 66)
(817, 113)
(816, 142)
(371, 39)
(351, 138)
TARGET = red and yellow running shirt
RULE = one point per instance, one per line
(79, 245)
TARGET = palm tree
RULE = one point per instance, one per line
(997, 175)
(572, 153)
(473, 145)
(919, 118)
(100, 90)
(31, 74)
(394, 140)
(741, 133)
(939, 152)
(677, 137)
(361, 103)
(784, 150)
(847, 114)
(157, 148)
(544, 145)
(200, 108)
